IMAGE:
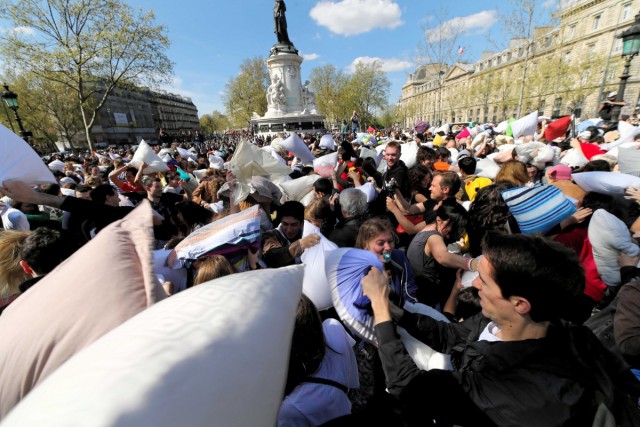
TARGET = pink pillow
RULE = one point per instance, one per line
(105, 283)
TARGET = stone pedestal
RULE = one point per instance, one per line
(291, 106)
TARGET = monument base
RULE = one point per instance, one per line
(299, 123)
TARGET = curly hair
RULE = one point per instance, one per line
(487, 212)
(416, 175)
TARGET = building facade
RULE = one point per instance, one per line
(562, 70)
(130, 116)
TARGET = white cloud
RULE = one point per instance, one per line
(310, 56)
(351, 17)
(388, 65)
(29, 31)
(478, 22)
(550, 4)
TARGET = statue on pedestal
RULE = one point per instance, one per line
(280, 21)
(309, 99)
(275, 94)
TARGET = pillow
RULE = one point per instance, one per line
(186, 154)
(297, 188)
(574, 158)
(424, 356)
(164, 272)
(368, 152)
(487, 168)
(145, 154)
(629, 161)
(605, 182)
(327, 142)
(308, 198)
(369, 190)
(299, 149)
(216, 162)
(106, 282)
(345, 268)
(525, 126)
(56, 165)
(539, 208)
(230, 236)
(325, 165)
(213, 355)
(315, 285)
(609, 236)
(408, 153)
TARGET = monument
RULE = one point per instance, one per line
(291, 106)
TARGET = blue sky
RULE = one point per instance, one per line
(211, 38)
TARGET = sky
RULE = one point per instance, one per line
(211, 38)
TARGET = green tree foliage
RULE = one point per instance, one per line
(246, 93)
(86, 46)
(330, 86)
(368, 89)
(214, 123)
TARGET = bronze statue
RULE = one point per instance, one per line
(280, 21)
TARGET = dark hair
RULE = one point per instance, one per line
(467, 303)
(193, 215)
(394, 143)
(487, 212)
(597, 166)
(371, 228)
(52, 189)
(306, 170)
(83, 188)
(45, 248)
(291, 208)
(450, 180)
(416, 175)
(101, 192)
(456, 214)
(545, 273)
(443, 152)
(467, 165)
(323, 185)
(425, 153)
(307, 344)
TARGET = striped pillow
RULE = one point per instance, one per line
(539, 208)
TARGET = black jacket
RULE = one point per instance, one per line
(539, 382)
(345, 233)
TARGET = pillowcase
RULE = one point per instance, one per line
(100, 286)
(145, 154)
(315, 285)
(326, 164)
(299, 149)
(605, 182)
(408, 153)
(297, 188)
(213, 355)
(20, 162)
(629, 161)
(539, 208)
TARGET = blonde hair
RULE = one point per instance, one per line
(11, 273)
(514, 172)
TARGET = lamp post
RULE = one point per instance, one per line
(630, 48)
(11, 101)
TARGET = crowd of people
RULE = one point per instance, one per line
(541, 299)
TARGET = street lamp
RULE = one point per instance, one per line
(11, 100)
(630, 48)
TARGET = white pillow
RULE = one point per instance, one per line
(408, 153)
(325, 165)
(186, 154)
(605, 182)
(213, 355)
(487, 168)
(315, 285)
(145, 154)
(368, 152)
(424, 356)
(297, 188)
(299, 149)
(369, 190)
(327, 142)
(609, 236)
(525, 126)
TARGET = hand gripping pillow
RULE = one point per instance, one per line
(213, 355)
(103, 284)
(315, 284)
(605, 182)
(424, 356)
(20, 162)
(145, 154)
(609, 236)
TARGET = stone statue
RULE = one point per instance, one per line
(275, 93)
(309, 98)
(280, 21)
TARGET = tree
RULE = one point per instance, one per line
(87, 46)
(246, 93)
(368, 88)
(388, 117)
(331, 89)
(46, 108)
(214, 122)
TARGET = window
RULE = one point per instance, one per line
(509, 56)
(585, 76)
(567, 56)
(617, 46)
(572, 31)
(520, 52)
(596, 22)
(541, 105)
(591, 48)
(626, 11)
(547, 41)
(557, 106)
